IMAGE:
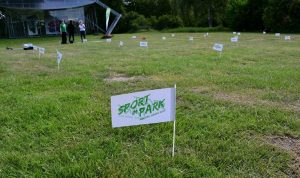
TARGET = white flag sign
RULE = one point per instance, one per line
(173, 35)
(277, 34)
(163, 38)
(235, 39)
(84, 40)
(234, 33)
(35, 48)
(144, 44)
(146, 107)
(218, 47)
(133, 37)
(59, 57)
(108, 40)
(121, 43)
(287, 38)
(264, 32)
(42, 50)
(238, 33)
(191, 38)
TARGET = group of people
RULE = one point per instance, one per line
(70, 29)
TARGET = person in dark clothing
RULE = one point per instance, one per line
(71, 31)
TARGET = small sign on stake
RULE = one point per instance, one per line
(287, 38)
(238, 33)
(84, 40)
(163, 38)
(173, 35)
(121, 44)
(41, 51)
(264, 32)
(133, 37)
(191, 38)
(108, 40)
(145, 107)
(235, 39)
(218, 47)
(59, 58)
(234, 33)
(277, 34)
(144, 44)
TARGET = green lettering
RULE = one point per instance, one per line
(155, 106)
(161, 104)
(121, 110)
(126, 107)
(141, 110)
(134, 104)
(148, 109)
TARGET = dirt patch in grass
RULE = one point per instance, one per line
(115, 77)
(252, 100)
(292, 145)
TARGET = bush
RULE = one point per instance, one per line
(168, 21)
(132, 22)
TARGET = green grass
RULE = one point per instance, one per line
(58, 123)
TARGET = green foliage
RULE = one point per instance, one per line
(168, 21)
(282, 15)
(132, 22)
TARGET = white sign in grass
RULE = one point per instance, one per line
(41, 51)
(277, 34)
(84, 40)
(144, 44)
(121, 44)
(108, 40)
(234, 33)
(145, 107)
(191, 38)
(173, 35)
(218, 47)
(235, 39)
(163, 38)
(35, 48)
(287, 38)
(264, 32)
(133, 37)
(239, 33)
(58, 58)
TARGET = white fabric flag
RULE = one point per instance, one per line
(218, 47)
(144, 44)
(59, 57)
(146, 107)
(107, 16)
(42, 50)
(235, 39)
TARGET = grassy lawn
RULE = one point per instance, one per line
(57, 123)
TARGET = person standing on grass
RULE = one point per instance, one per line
(71, 31)
(82, 30)
(63, 32)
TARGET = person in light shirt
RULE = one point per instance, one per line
(82, 30)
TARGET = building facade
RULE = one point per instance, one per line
(24, 18)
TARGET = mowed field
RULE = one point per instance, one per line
(238, 115)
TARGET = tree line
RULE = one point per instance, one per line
(239, 15)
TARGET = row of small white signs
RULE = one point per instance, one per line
(42, 51)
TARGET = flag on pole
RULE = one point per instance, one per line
(146, 107)
(59, 58)
(218, 47)
(107, 16)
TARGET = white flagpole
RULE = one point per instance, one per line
(174, 127)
